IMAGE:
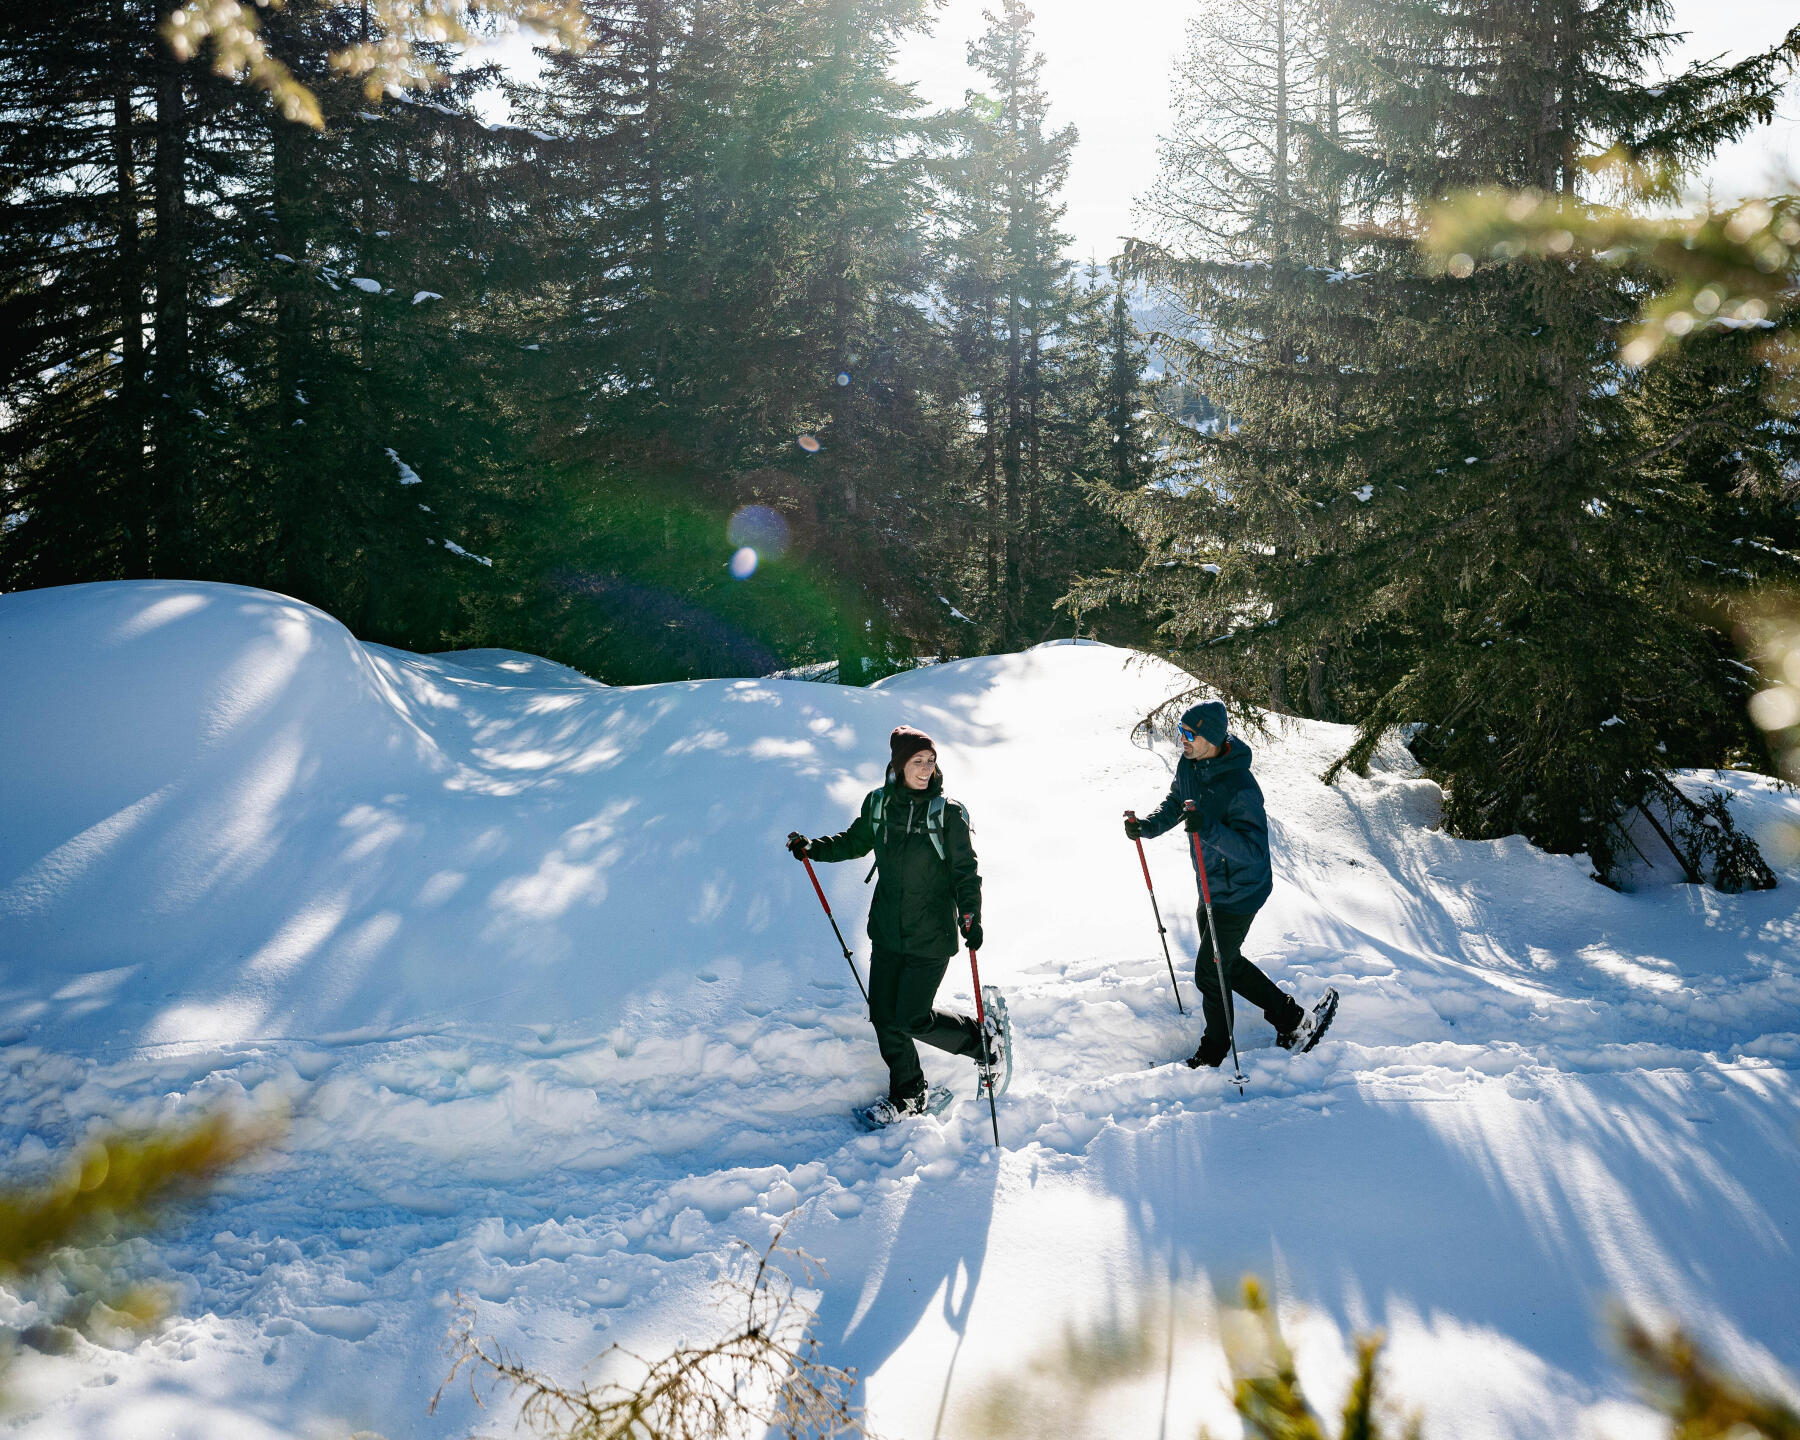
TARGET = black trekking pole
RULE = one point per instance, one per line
(1154, 910)
(987, 1075)
(1238, 1076)
(819, 890)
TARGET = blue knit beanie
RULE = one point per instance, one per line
(1208, 719)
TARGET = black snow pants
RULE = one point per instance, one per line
(901, 991)
(1278, 1007)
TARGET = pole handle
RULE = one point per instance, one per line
(1132, 815)
(975, 977)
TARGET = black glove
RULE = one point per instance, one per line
(797, 843)
(1194, 822)
(1134, 828)
(971, 928)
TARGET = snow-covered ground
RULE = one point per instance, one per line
(559, 1019)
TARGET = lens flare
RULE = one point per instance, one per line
(810, 444)
(761, 529)
(743, 564)
(843, 377)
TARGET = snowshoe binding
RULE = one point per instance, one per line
(1312, 1027)
(884, 1112)
(995, 1070)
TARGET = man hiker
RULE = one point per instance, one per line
(1228, 816)
(929, 889)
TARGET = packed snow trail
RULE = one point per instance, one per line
(560, 1018)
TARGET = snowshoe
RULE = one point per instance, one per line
(1312, 1026)
(996, 1034)
(884, 1112)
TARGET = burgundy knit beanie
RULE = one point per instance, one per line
(905, 743)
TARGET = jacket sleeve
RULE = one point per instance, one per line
(851, 844)
(959, 850)
(1241, 834)
(1166, 815)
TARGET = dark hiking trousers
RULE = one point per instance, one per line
(1278, 1008)
(901, 991)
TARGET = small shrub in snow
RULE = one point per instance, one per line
(763, 1377)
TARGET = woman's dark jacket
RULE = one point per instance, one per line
(1234, 830)
(917, 896)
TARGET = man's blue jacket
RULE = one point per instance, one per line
(1234, 829)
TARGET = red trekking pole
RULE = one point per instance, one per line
(819, 890)
(987, 1081)
(1154, 910)
(1238, 1077)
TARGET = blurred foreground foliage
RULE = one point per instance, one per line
(392, 57)
(1065, 1391)
(1702, 1400)
(63, 1235)
(1722, 269)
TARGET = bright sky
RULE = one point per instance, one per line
(1106, 68)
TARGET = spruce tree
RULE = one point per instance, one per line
(742, 304)
(218, 340)
(1439, 490)
(1007, 294)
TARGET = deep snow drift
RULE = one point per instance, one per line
(560, 1018)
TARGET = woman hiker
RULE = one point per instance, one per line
(929, 888)
(1228, 816)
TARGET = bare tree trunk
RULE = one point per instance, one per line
(990, 479)
(137, 520)
(172, 549)
(655, 200)
(292, 323)
(1318, 690)
(1283, 215)
(1278, 698)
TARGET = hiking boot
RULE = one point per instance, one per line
(1311, 1027)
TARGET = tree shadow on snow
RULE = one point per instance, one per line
(933, 1259)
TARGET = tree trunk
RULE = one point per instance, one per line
(656, 203)
(1318, 690)
(172, 546)
(292, 325)
(137, 498)
(1282, 215)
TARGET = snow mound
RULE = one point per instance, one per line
(561, 1021)
(241, 824)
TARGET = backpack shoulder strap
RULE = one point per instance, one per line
(874, 803)
(934, 825)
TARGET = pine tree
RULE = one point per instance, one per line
(219, 343)
(109, 384)
(1437, 489)
(1007, 293)
(740, 189)
(1095, 444)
